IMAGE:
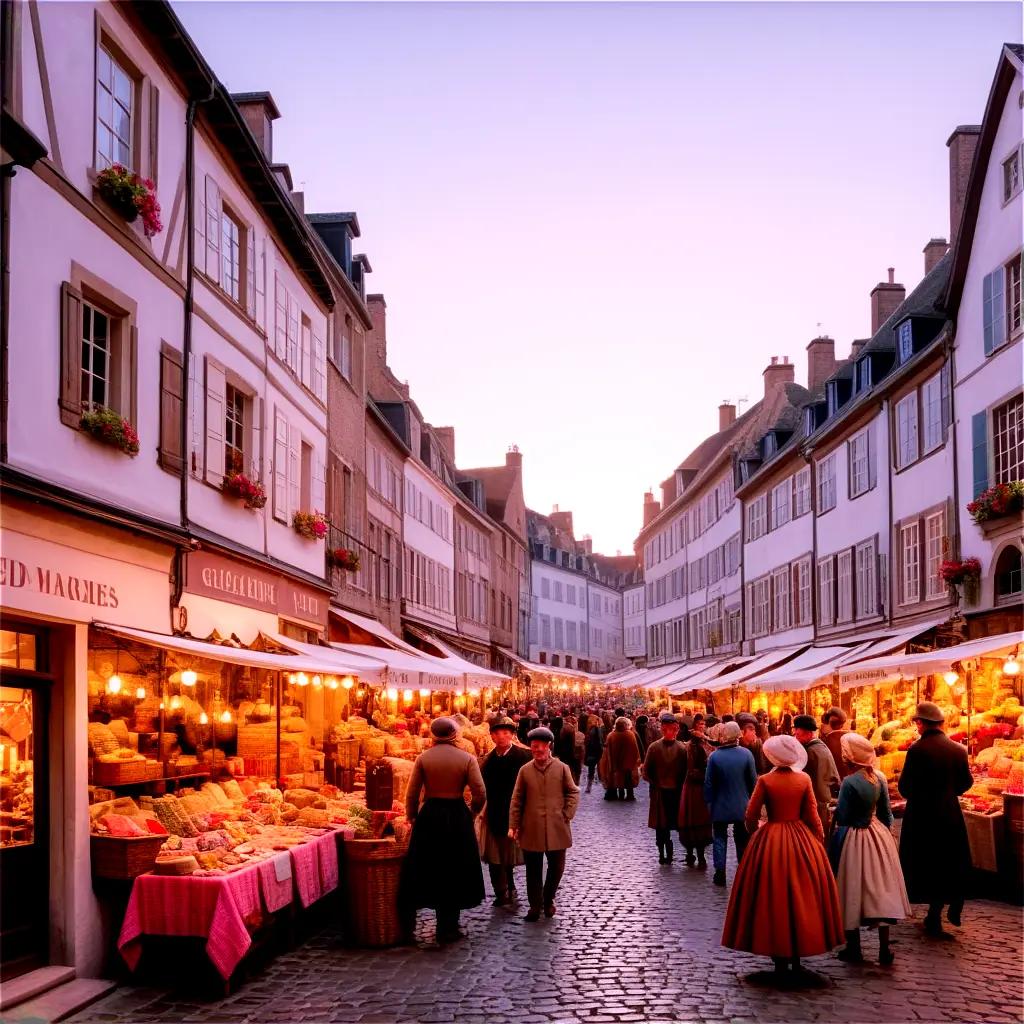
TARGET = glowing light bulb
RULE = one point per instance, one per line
(424, 693)
(360, 692)
(175, 703)
(348, 682)
(474, 693)
(332, 683)
(204, 719)
(317, 681)
(407, 695)
(140, 693)
(114, 684)
(1011, 667)
(161, 705)
(302, 679)
(951, 677)
(189, 677)
(392, 693)
(226, 716)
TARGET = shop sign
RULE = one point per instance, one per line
(211, 575)
(46, 578)
(403, 680)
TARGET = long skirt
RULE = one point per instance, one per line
(495, 848)
(442, 867)
(784, 901)
(870, 879)
(694, 816)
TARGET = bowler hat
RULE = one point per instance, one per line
(546, 735)
(929, 712)
(805, 722)
(443, 728)
(503, 723)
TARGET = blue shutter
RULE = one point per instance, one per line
(986, 311)
(993, 313)
(979, 449)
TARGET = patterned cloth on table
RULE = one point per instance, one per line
(327, 855)
(275, 876)
(306, 869)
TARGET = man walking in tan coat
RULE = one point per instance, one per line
(543, 804)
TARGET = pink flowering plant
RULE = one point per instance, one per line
(311, 525)
(110, 428)
(955, 572)
(131, 196)
(344, 558)
(249, 491)
(995, 502)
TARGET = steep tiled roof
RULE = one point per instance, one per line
(498, 482)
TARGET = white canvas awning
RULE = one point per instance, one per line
(745, 673)
(813, 663)
(476, 675)
(367, 669)
(407, 671)
(894, 667)
(705, 673)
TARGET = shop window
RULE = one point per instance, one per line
(17, 753)
(17, 650)
(1008, 582)
(295, 631)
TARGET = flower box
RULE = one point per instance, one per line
(997, 502)
(109, 428)
(343, 558)
(311, 525)
(249, 492)
(131, 197)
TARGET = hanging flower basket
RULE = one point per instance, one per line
(311, 525)
(998, 501)
(108, 427)
(956, 572)
(250, 492)
(131, 196)
(343, 558)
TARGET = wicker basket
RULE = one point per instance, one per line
(124, 773)
(984, 833)
(124, 857)
(372, 871)
(348, 753)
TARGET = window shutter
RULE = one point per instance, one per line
(946, 396)
(256, 437)
(319, 368)
(306, 355)
(199, 228)
(152, 142)
(130, 377)
(979, 451)
(169, 453)
(294, 471)
(993, 314)
(260, 288)
(195, 404)
(213, 212)
(319, 484)
(280, 466)
(849, 469)
(250, 271)
(215, 384)
(869, 437)
(70, 396)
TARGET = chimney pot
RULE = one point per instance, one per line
(892, 275)
(776, 375)
(514, 458)
(651, 507)
(726, 416)
(886, 298)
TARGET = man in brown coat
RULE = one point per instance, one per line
(665, 770)
(623, 754)
(543, 804)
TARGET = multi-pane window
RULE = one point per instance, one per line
(234, 431)
(96, 362)
(1008, 441)
(906, 431)
(230, 255)
(802, 493)
(343, 348)
(931, 413)
(1011, 176)
(827, 483)
(545, 587)
(934, 540)
(114, 102)
(910, 563)
(570, 635)
(802, 592)
(757, 517)
(545, 631)
(1013, 269)
(781, 508)
(760, 606)
(826, 592)
(860, 463)
(867, 588)
(781, 606)
(558, 590)
(905, 340)
(844, 586)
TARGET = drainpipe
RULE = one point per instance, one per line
(892, 532)
(809, 459)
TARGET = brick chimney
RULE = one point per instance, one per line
(446, 439)
(588, 543)
(668, 491)
(886, 296)
(776, 374)
(962, 144)
(651, 507)
(562, 520)
(726, 416)
(856, 345)
(514, 458)
(821, 361)
(378, 314)
(933, 252)
(259, 112)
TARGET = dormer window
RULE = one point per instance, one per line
(809, 423)
(832, 394)
(905, 340)
(864, 374)
(769, 445)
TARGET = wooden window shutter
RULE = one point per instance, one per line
(196, 405)
(254, 448)
(70, 397)
(169, 453)
(130, 376)
(946, 395)
(280, 466)
(294, 471)
(869, 437)
(979, 451)
(153, 133)
(250, 271)
(319, 483)
(213, 214)
(260, 287)
(216, 382)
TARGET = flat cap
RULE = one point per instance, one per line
(541, 734)
(929, 712)
(503, 723)
(805, 722)
(443, 728)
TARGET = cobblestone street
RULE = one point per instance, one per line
(632, 941)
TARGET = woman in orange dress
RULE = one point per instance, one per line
(784, 903)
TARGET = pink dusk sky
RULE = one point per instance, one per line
(593, 223)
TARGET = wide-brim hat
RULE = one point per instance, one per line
(540, 733)
(503, 723)
(929, 712)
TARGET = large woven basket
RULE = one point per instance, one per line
(372, 871)
(124, 773)
(984, 833)
(124, 857)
